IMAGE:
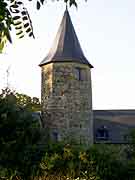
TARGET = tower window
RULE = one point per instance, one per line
(55, 136)
(80, 74)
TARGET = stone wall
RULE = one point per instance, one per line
(67, 102)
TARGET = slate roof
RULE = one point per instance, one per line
(118, 123)
(66, 46)
(115, 112)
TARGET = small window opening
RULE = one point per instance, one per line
(102, 133)
(55, 136)
(78, 73)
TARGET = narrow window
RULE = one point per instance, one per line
(80, 74)
(55, 136)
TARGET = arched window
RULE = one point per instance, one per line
(102, 133)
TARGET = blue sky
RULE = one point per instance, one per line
(106, 31)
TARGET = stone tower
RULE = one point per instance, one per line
(66, 88)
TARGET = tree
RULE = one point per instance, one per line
(19, 138)
(31, 103)
(13, 13)
(23, 100)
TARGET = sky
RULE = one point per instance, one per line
(106, 31)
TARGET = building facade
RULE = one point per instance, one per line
(113, 126)
(67, 113)
(66, 88)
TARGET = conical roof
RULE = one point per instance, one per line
(66, 46)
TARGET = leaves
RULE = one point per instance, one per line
(73, 2)
(26, 25)
(19, 135)
(4, 36)
(16, 18)
(70, 2)
(13, 12)
(22, 19)
(42, 2)
(18, 27)
(38, 5)
(7, 34)
(24, 13)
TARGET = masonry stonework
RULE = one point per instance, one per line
(66, 88)
(67, 102)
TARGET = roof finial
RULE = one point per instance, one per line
(66, 7)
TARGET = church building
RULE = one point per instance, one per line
(66, 95)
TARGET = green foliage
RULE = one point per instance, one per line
(99, 162)
(107, 162)
(24, 153)
(23, 100)
(64, 161)
(26, 101)
(19, 136)
(14, 13)
(5, 24)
